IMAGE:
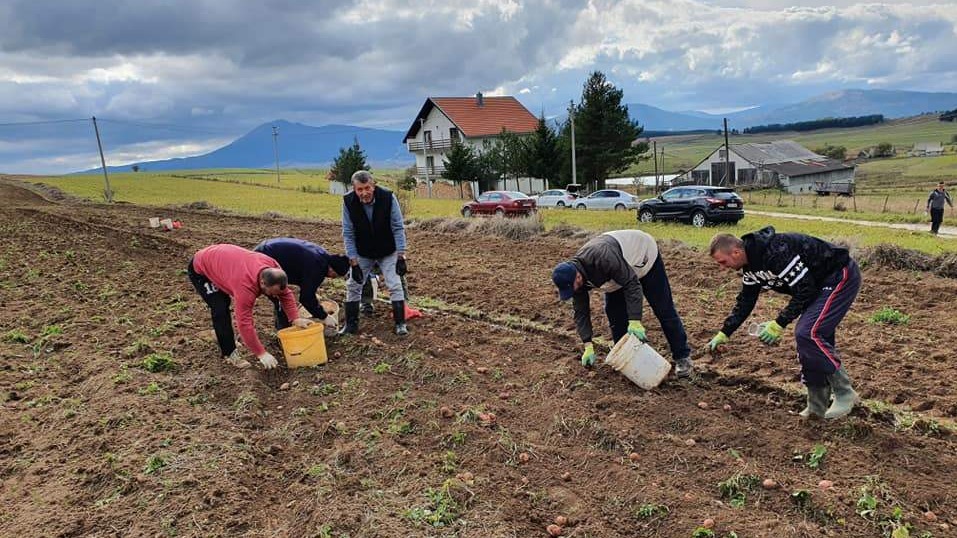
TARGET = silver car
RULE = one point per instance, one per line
(556, 198)
(608, 199)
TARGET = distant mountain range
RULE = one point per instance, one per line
(305, 146)
(844, 103)
(300, 146)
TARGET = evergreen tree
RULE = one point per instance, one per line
(605, 137)
(349, 161)
(544, 157)
(461, 165)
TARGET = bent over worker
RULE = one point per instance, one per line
(822, 280)
(627, 266)
(307, 265)
(221, 273)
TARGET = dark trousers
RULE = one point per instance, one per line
(657, 290)
(279, 314)
(936, 217)
(814, 333)
(218, 303)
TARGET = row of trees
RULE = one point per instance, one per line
(605, 144)
(825, 123)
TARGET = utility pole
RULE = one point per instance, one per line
(654, 154)
(425, 155)
(108, 193)
(727, 156)
(275, 148)
(662, 166)
(571, 116)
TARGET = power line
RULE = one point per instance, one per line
(47, 122)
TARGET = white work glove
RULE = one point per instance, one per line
(268, 361)
(302, 323)
(330, 321)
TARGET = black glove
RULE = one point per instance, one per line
(400, 267)
(357, 274)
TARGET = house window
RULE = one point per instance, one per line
(430, 163)
(722, 154)
(700, 177)
(454, 134)
(746, 175)
(427, 136)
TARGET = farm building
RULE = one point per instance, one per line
(473, 121)
(927, 149)
(781, 163)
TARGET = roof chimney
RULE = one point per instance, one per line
(478, 99)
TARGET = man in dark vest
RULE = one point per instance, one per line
(374, 233)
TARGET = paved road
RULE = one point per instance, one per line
(949, 232)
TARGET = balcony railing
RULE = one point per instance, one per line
(433, 145)
(434, 171)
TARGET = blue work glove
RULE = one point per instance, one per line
(588, 357)
(636, 329)
(717, 341)
(770, 333)
(356, 274)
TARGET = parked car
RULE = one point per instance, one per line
(697, 204)
(556, 198)
(608, 199)
(503, 203)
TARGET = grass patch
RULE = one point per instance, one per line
(890, 316)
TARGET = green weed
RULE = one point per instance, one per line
(737, 487)
(154, 464)
(159, 362)
(382, 368)
(890, 316)
(650, 510)
(16, 336)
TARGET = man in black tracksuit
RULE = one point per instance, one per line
(306, 265)
(822, 280)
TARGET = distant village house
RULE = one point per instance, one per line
(443, 121)
(927, 149)
(781, 163)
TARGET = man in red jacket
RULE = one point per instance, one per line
(221, 272)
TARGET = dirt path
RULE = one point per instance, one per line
(386, 439)
(949, 232)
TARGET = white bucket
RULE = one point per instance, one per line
(154, 222)
(639, 362)
(167, 223)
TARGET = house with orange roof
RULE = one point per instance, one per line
(443, 121)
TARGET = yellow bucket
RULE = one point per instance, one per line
(303, 347)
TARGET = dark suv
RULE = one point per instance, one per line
(697, 204)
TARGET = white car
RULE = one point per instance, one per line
(608, 199)
(556, 198)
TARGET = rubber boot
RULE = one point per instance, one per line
(352, 319)
(817, 400)
(683, 367)
(844, 396)
(398, 314)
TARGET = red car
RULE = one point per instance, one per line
(502, 203)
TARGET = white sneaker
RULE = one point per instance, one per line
(236, 360)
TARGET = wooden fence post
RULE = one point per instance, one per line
(884, 209)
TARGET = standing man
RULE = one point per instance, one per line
(822, 280)
(221, 272)
(306, 265)
(374, 233)
(935, 206)
(627, 266)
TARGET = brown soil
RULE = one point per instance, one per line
(92, 444)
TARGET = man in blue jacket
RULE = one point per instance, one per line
(306, 265)
(822, 280)
(374, 234)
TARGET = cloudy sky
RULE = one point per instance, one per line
(210, 70)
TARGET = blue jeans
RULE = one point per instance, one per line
(657, 290)
(392, 280)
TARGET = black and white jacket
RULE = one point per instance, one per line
(789, 263)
